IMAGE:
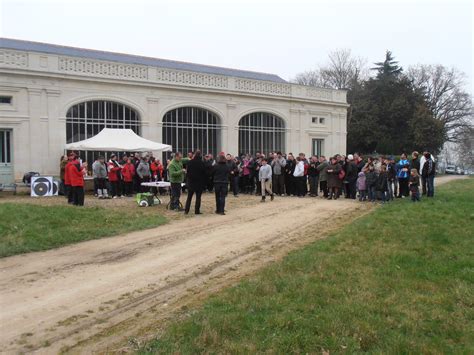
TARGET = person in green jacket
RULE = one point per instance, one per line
(176, 173)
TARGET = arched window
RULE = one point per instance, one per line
(191, 128)
(261, 132)
(84, 120)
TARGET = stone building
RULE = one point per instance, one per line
(51, 95)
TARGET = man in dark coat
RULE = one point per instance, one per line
(196, 176)
(428, 173)
(351, 177)
(221, 172)
(289, 179)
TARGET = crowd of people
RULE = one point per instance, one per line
(372, 179)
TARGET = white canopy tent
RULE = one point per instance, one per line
(123, 140)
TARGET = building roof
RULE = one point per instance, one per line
(29, 46)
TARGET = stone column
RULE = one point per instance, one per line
(343, 119)
(36, 141)
(153, 131)
(56, 131)
(304, 138)
(334, 134)
(293, 132)
(230, 133)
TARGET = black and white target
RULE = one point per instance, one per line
(55, 188)
(42, 186)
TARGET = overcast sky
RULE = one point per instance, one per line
(281, 37)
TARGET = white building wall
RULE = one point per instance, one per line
(43, 91)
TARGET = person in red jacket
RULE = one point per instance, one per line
(128, 172)
(68, 192)
(114, 174)
(156, 169)
(75, 173)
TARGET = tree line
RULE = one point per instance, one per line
(393, 110)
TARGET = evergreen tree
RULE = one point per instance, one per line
(392, 112)
(388, 69)
(389, 115)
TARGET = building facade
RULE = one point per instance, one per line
(52, 95)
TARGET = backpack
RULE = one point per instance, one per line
(433, 169)
(426, 168)
(27, 177)
(342, 174)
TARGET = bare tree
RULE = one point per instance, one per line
(443, 89)
(342, 71)
(309, 78)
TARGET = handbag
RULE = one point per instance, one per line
(342, 174)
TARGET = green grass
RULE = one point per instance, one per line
(399, 280)
(25, 227)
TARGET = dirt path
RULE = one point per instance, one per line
(90, 296)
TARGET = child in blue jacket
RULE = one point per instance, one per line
(403, 174)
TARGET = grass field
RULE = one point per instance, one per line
(25, 227)
(399, 280)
